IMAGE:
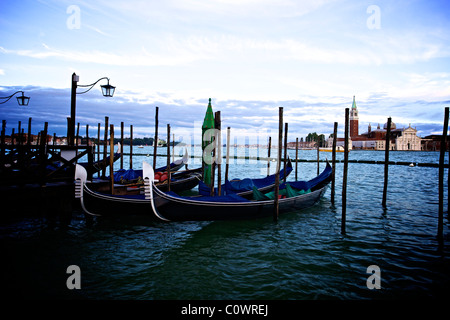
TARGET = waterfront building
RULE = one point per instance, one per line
(400, 138)
(354, 120)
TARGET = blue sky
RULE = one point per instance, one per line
(249, 56)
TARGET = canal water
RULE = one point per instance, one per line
(303, 256)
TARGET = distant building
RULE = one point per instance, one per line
(302, 145)
(354, 120)
(400, 138)
(433, 143)
(340, 142)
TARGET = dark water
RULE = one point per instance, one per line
(302, 256)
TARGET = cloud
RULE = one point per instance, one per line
(103, 33)
(169, 49)
(246, 118)
(178, 54)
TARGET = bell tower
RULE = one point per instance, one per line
(354, 119)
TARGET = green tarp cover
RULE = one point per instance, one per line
(288, 192)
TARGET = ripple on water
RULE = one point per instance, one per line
(302, 256)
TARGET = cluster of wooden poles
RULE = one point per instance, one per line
(155, 143)
(345, 171)
(386, 170)
(277, 176)
(333, 183)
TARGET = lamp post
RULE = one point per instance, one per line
(107, 91)
(22, 100)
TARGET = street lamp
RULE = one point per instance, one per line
(107, 91)
(22, 100)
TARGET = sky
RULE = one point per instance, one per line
(249, 56)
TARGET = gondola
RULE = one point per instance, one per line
(168, 206)
(128, 199)
(244, 187)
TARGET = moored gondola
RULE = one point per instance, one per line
(127, 199)
(168, 206)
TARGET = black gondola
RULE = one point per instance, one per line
(168, 206)
(131, 200)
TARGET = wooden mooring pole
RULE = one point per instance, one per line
(218, 126)
(173, 147)
(213, 164)
(19, 138)
(285, 151)
(228, 154)
(19, 133)
(441, 174)
(69, 123)
(87, 135)
(121, 144)
(296, 158)
(344, 177)
(12, 137)
(155, 141)
(318, 157)
(43, 153)
(98, 144)
(386, 160)
(29, 132)
(333, 161)
(111, 158)
(105, 145)
(131, 146)
(168, 157)
(3, 143)
(268, 156)
(78, 134)
(277, 174)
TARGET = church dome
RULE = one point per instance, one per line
(393, 126)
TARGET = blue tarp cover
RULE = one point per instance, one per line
(241, 185)
(129, 174)
(227, 198)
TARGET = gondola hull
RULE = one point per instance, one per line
(97, 203)
(168, 206)
(173, 209)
